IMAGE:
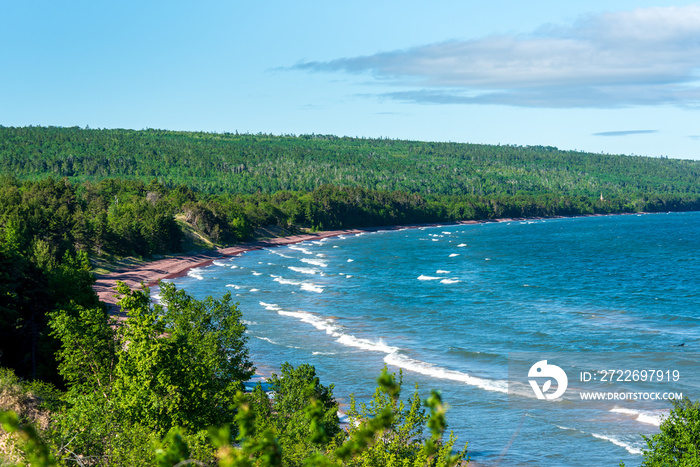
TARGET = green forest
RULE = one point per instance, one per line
(249, 164)
(165, 385)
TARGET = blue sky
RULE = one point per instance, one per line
(617, 77)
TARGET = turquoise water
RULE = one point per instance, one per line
(449, 304)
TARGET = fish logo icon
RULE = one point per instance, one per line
(542, 369)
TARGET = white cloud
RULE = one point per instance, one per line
(625, 132)
(641, 57)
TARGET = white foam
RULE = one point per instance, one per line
(454, 254)
(257, 273)
(461, 245)
(217, 262)
(276, 343)
(435, 239)
(333, 329)
(279, 254)
(330, 327)
(196, 273)
(348, 276)
(366, 344)
(433, 371)
(428, 278)
(282, 280)
(315, 262)
(441, 271)
(309, 287)
(631, 449)
(234, 286)
(321, 255)
(322, 324)
(449, 281)
(350, 260)
(299, 248)
(255, 290)
(303, 270)
(234, 266)
(650, 418)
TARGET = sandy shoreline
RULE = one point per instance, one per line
(151, 272)
(168, 268)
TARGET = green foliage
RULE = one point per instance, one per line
(386, 433)
(401, 427)
(233, 163)
(256, 445)
(36, 451)
(34, 281)
(88, 353)
(175, 449)
(185, 359)
(165, 372)
(678, 444)
(47, 218)
(298, 397)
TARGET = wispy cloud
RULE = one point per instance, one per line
(641, 57)
(625, 132)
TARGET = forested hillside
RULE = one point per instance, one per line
(232, 163)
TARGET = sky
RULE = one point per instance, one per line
(618, 77)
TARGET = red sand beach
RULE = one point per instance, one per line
(150, 273)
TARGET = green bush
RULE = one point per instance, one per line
(678, 444)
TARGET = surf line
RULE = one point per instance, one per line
(394, 356)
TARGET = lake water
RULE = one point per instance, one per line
(449, 305)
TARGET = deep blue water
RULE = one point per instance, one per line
(449, 304)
